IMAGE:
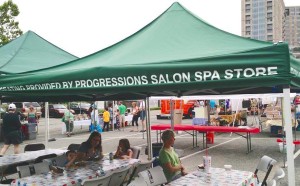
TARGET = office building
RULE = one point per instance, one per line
(292, 26)
(263, 19)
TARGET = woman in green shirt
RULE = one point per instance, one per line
(168, 158)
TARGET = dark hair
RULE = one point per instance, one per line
(70, 151)
(126, 144)
(106, 108)
(167, 134)
(92, 135)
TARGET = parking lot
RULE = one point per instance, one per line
(227, 148)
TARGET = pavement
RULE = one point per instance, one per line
(227, 148)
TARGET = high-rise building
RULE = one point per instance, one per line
(263, 19)
(292, 26)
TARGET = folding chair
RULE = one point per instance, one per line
(265, 165)
(42, 167)
(58, 161)
(138, 182)
(279, 174)
(34, 147)
(74, 146)
(37, 168)
(99, 181)
(41, 158)
(118, 177)
(154, 176)
(139, 168)
(9, 170)
(136, 152)
(25, 171)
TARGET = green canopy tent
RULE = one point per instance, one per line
(295, 69)
(31, 52)
(177, 54)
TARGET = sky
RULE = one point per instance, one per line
(83, 27)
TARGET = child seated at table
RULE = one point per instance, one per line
(71, 157)
(124, 151)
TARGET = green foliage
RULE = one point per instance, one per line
(100, 111)
(9, 28)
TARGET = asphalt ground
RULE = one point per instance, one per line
(227, 148)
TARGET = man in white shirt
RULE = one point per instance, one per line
(143, 115)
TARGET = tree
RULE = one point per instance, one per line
(9, 28)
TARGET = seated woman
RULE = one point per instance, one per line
(91, 149)
(168, 158)
(124, 151)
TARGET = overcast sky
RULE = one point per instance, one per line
(82, 27)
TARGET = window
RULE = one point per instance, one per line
(248, 33)
(269, 19)
(270, 37)
(270, 30)
(269, 15)
(248, 17)
(269, 8)
(269, 26)
(248, 6)
(248, 28)
(248, 22)
(269, 3)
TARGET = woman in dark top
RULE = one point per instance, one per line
(11, 130)
(91, 149)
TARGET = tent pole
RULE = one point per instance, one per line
(46, 124)
(172, 114)
(289, 135)
(148, 130)
(113, 120)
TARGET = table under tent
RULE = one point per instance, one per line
(177, 54)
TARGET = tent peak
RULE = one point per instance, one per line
(175, 6)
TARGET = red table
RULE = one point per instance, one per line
(205, 129)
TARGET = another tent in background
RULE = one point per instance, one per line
(31, 52)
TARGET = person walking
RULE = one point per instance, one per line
(106, 119)
(122, 110)
(68, 119)
(111, 114)
(136, 115)
(143, 115)
(11, 130)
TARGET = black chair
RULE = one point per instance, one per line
(74, 147)
(41, 158)
(9, 170)
(34, 147)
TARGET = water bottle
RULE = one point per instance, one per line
(111, 156)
